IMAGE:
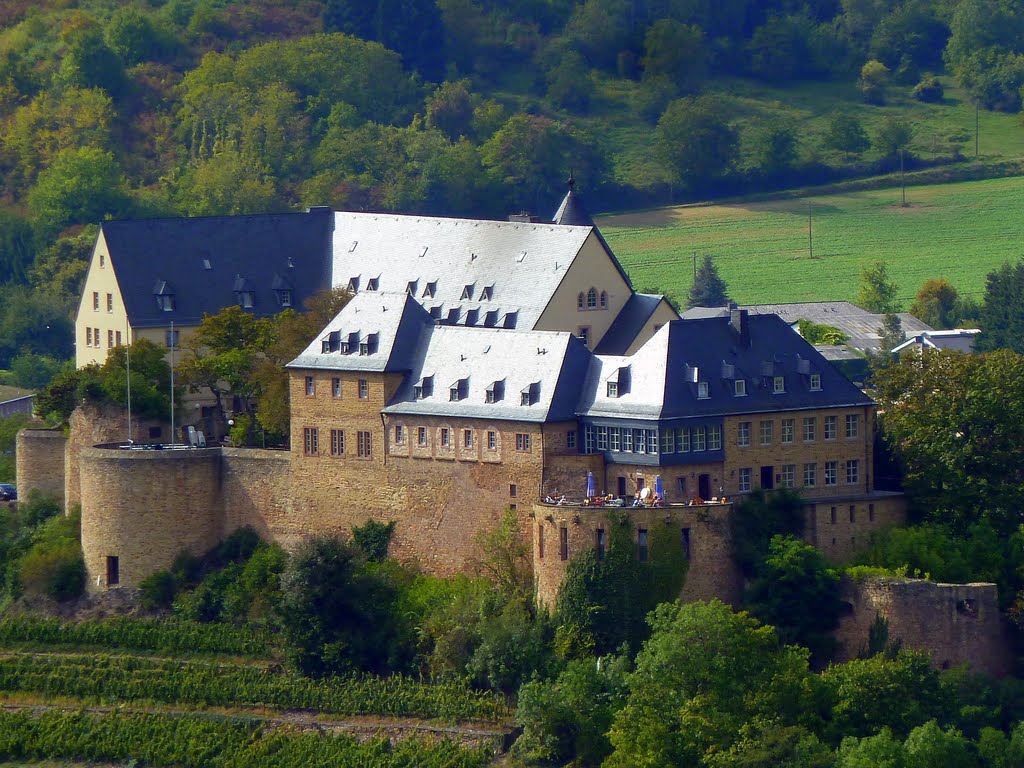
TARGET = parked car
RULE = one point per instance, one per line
(8, 492)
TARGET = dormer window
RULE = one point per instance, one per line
(703, 390)
(495, 392)
(368, 346)
(410, 288)
(530, 394)
(491, 318)
(435, 312)
(353, 284)
(510, 319)
(245, 293)
(331, 343)
(207, 265)
(348, 344)
(284, 296)
(423, 388)
(613, 389)
(778, 385)
(458, 390)
(246, 299)
(487, 293)
(617, 384)
(453, 315)
(740, 388)
(373, 284)
(815, 382)
(467, 292)
(472, 316)
(163, 291)
(428, 290)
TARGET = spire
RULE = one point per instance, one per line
(572, 211)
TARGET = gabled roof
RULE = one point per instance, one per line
(521, 263)
(170, 256)
(545, 365)
(628, 323)
(959, 339)
(665, 373)
(389, 324)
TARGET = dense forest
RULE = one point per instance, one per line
(455, 107)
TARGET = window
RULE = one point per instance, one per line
(744, 479)
(364, 389)
(172, 338)
(831, 472)
(421, 436)
(581, 301)
(652, 440)
(681, 487)
(88, 337)
(778, 385)
(117, 338)
(604, 300)
(540, 542)
(453, 394)
(285, 297)
(96, 301)
(363, 445)
(399, 434)
(703, 391)
(810, 475)
(110, 302)
(602, 438)
(246, 299)
(599, 543)
(588, 440)
(683, 440)
(310, 441)
(487, 293)
(513, 490)
(852, 471)
(338, 441)
(467, 438)
(668, 441)
(522, 441)
(627, 439)
(110, 339)
(852, 425)
(788, 427)
(715, 438)
(563, 543)
(524, 398)
(740, 387)
(113, 571)
(103, 261)
(335, 387)
(591, 299)
(810, 428)
(584, 335)
(641, 544)
(743, 434)
(640, 441)
(96, 336)
(492, 441)
(613, 389)
(446, 437)
(788, 476)
(615, 438)
(570, 439)
(767, 430)
(700, 438)
(310, 386)
(831, 427)
(815, 382)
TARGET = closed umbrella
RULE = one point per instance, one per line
(659, 491)
(591, 493)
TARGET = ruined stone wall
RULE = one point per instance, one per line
(712, 572)
(39, 454)
(144, 507)
(255, 488)
(953, 623)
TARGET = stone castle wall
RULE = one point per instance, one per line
(254, 490)
(953, 623)
(39, 455)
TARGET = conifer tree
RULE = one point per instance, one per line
(709, 289)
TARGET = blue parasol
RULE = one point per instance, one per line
(658, 490)
(591, 493)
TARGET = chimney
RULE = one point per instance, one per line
(524, 218)
(738, 321)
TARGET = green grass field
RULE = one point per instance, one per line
(958, 231)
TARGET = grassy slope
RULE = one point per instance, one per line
(958, 231)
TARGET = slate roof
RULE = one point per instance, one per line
(547, 365)
(572, 212)
(508, 269)
(288, 250)
(665, 371)
(628, 324)
(390, 324)
(858, 324)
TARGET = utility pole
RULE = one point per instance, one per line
(903, 182)
(977, 128)
(695, 266)
(810, 231)
(128, 375)
(173, 345)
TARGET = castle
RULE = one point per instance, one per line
(479, 366)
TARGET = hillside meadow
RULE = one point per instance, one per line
(958, 231)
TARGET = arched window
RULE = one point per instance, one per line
(591, 299)
(579, 301)
(604, 299)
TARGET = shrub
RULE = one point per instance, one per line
(55, 569)
(157, 590)
(373, 539)
(928, 90)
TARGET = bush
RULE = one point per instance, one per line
(928, 90)
(56, 570)
(157, 590)
(373, 539)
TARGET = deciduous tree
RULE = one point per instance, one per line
(696, 141)
(877, 290)
(1002, 313)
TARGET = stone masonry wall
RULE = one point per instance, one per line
(254, 490)
(954, 623)
(841, 528)
(39, 454)
(144, 507)
(712, 572)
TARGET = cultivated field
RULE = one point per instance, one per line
(957, 231)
